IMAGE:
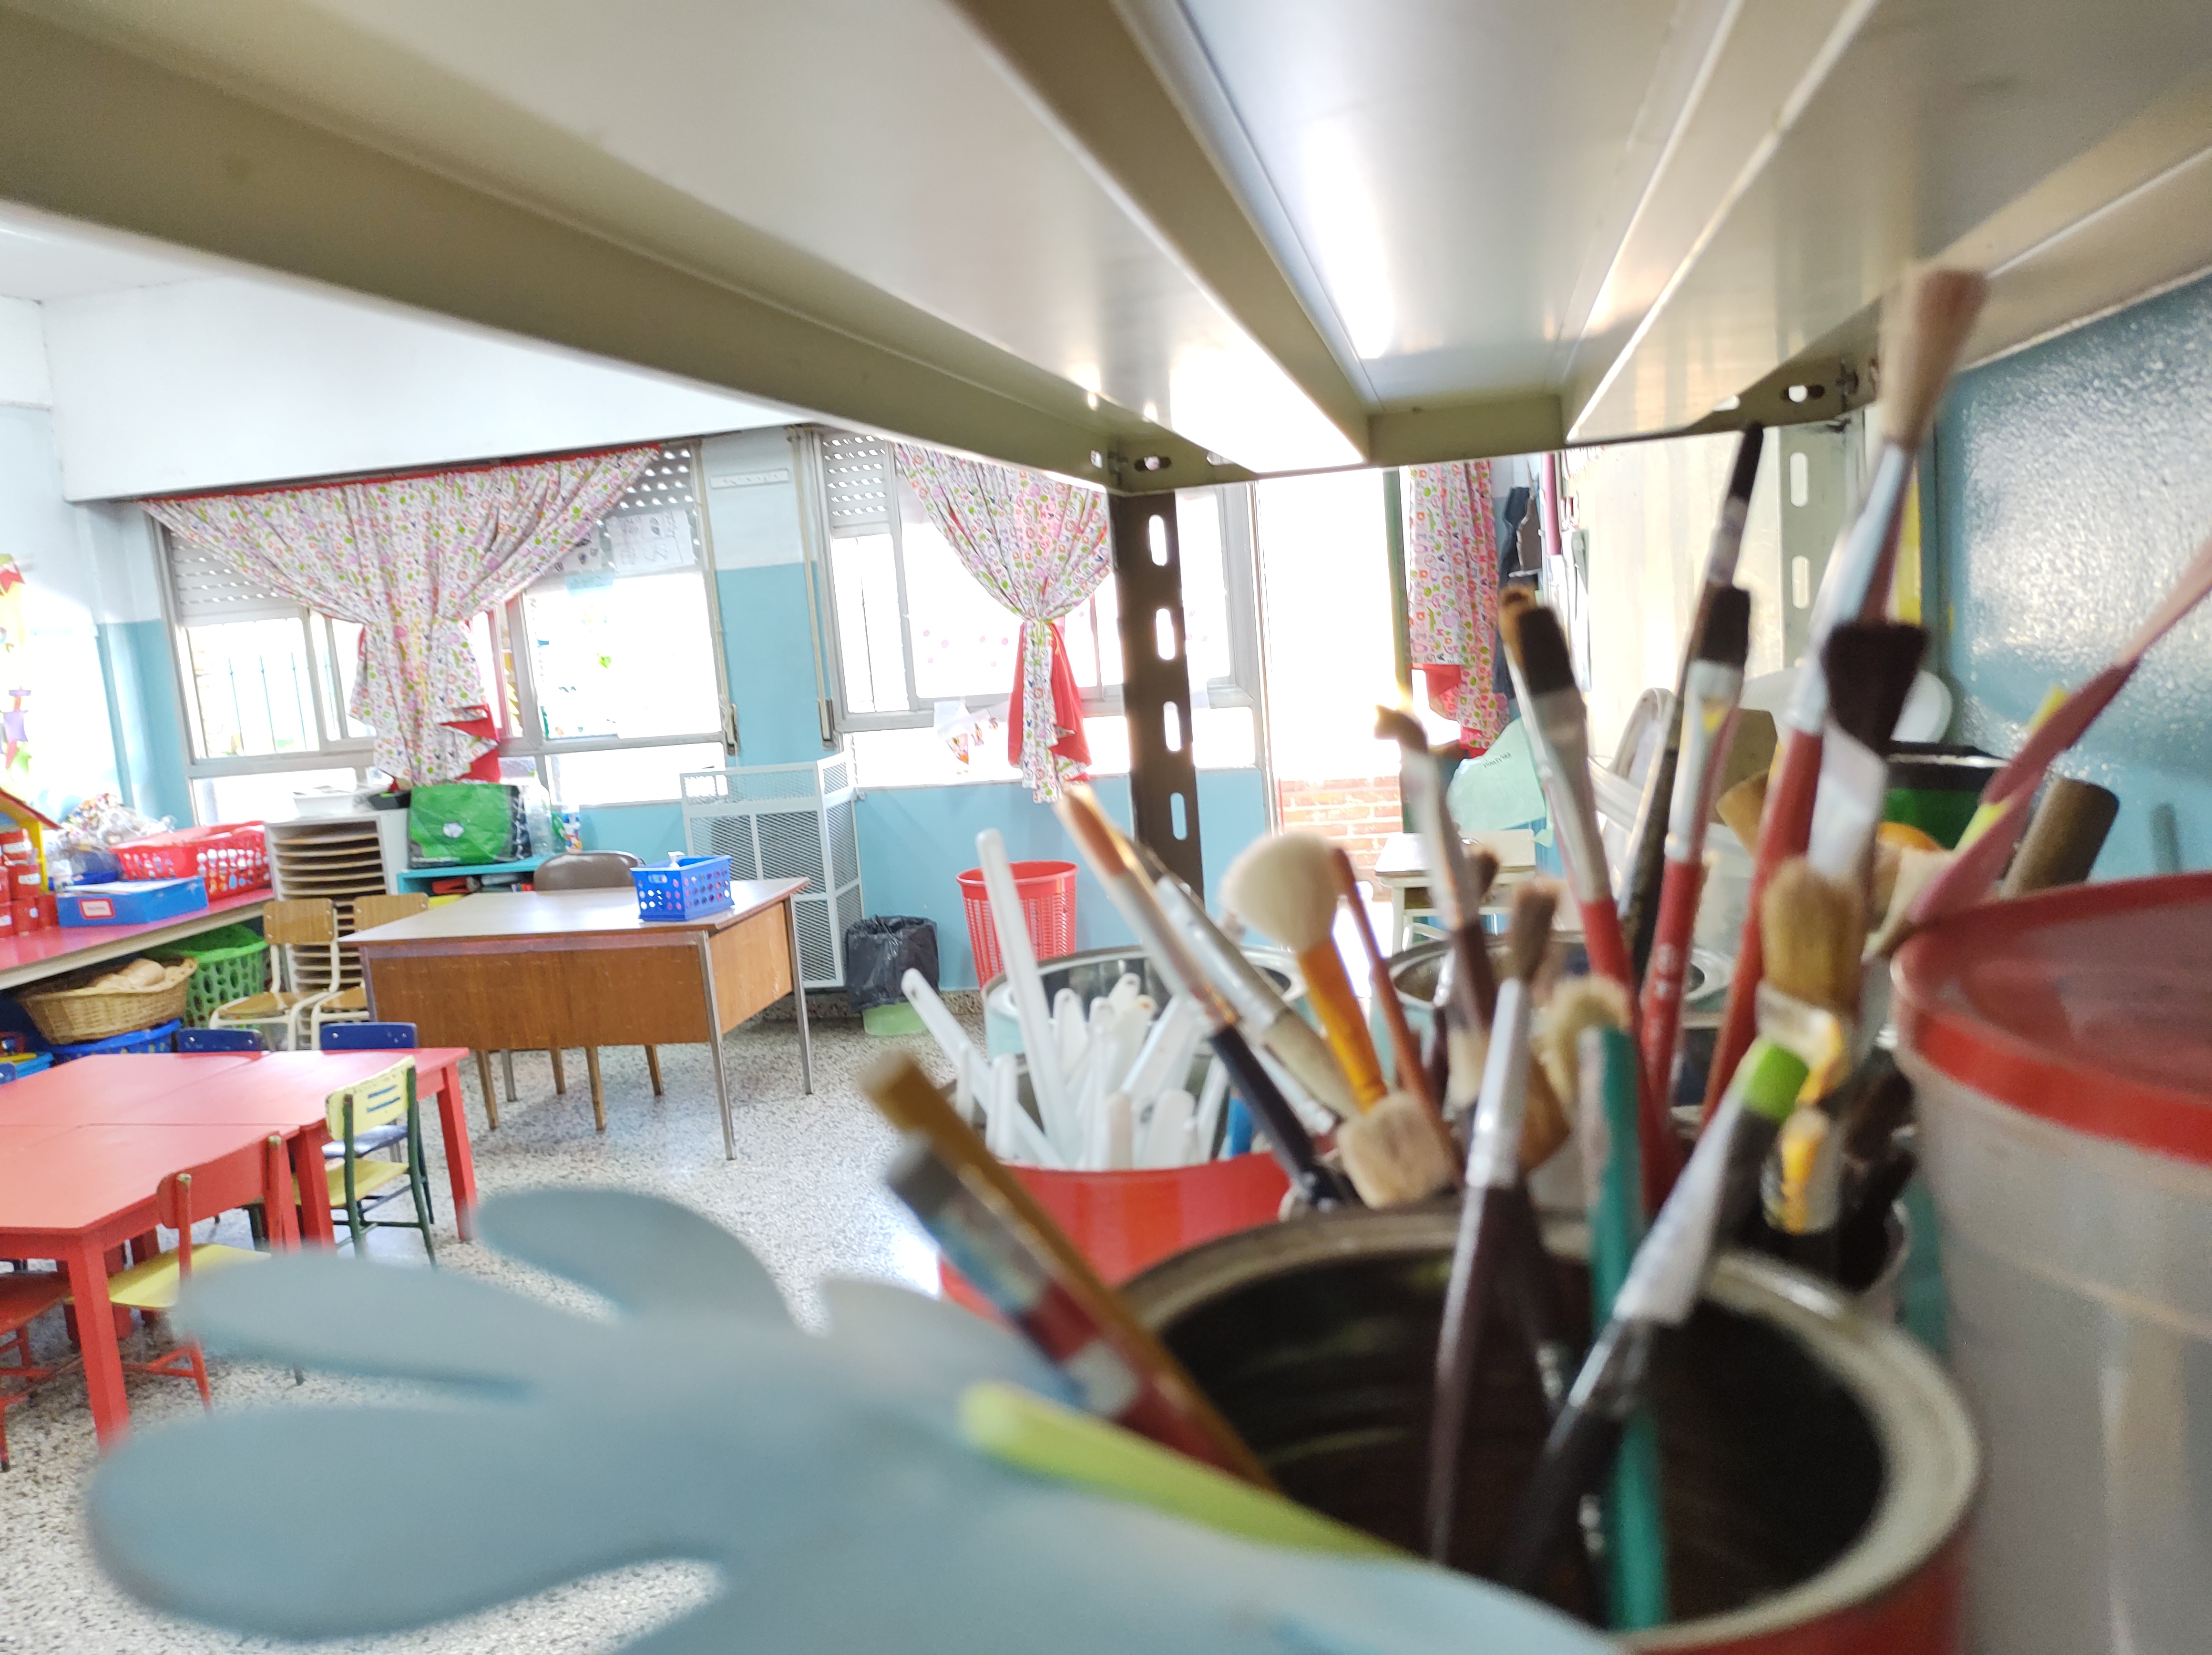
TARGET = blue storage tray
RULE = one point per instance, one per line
(163, 1037)
(130, 901)
(684, 888)
(14, 1068)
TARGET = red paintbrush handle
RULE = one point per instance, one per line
(1608, 957)
(1662, 980)
(1784, 827)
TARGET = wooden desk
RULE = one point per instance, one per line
(1402, 868)
(42, 953)
(534, 969)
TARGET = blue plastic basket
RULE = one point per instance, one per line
(684, 888)
(163, 1037)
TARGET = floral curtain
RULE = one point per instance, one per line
(1451, 594)
(1039, 547)
(412, 558)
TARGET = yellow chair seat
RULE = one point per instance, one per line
(349, 999)
(367, 1176)
(275, 1004)
(153, 1285)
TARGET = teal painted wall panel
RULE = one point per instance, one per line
(2071, 483)
(652, 832)
(771, 663)
(150, 741)
(913, 840)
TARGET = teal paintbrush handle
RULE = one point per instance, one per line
(1636, 1530)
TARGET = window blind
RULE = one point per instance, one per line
(653, 526)
(857, 481)
(209, 590)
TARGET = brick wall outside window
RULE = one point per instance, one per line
(1358, 812)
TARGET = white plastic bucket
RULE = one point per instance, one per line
(2062, 1046)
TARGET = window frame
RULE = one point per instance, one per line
(1239, 689)
(516, 718)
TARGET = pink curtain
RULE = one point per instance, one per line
(412, 558)
(1451, 593)
(1039, 547)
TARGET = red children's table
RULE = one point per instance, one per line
(83, 1146)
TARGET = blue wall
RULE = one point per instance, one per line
(150, 739)
(915, 840)
(2072, 482)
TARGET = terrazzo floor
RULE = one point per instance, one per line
(802, 1193)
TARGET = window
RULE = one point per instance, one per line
(604, 676)
(916, 640)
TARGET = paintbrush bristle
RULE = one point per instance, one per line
(1544, 663)
(1481, 875)
(1870, 666)
(1513, 603)
(1531, 934)
(1087, 825)
(1286, 884)
(1394, 1153)
(1577, 1004)
(1396, 725)
(1726, 637)
(1813, 930)
(1923, 333)
(1743, 807)
(1748, 448)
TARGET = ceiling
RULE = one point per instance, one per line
(1153, 242)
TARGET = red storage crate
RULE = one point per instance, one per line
(230, 856)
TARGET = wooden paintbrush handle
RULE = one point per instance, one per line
(1338, 1008)
(1784, 828)
(1662, 981)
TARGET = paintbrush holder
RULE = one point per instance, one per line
(1818, 1467)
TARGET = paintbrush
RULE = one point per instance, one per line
(2062, 838)
(1457, 885)
(1655, 813)
(1635, 1532)
(1552, 707)
(1712, 684)
(1285, 885)
(1166, 1403)
(1400, 1150)
(1801, 1192)
(1990, 838)
(1487, 1243)
(1662, 1288)
(1117, 868)
(1287, 1037)
(1922, 335)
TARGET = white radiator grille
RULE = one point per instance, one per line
(788, 821)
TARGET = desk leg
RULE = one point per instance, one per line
(799, 997)
(460, 1159)
(506, 1069)
(714, 1043)
(103, 1360)
(314, 1187)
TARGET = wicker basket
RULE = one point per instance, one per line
(68, 1013)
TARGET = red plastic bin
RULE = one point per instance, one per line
(1124, 1222)
(230, 856)
(1048, 893)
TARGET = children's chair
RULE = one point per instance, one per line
(24, 1297)
(259, 1172)
(305, 924)
(368, 1037)
(219, 1040)
(350, 1005)
(357, 1182)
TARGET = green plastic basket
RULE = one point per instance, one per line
(234, 962)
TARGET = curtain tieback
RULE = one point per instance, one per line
(1074, 744)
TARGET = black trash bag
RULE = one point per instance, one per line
(880, 951)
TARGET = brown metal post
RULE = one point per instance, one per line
(1155, 690)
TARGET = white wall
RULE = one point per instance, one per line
(212, 383)
(23, 379)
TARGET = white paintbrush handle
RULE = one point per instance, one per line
(1173, 1039)
(1212, 1094)
(1169, 1130)
(1020, 956)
